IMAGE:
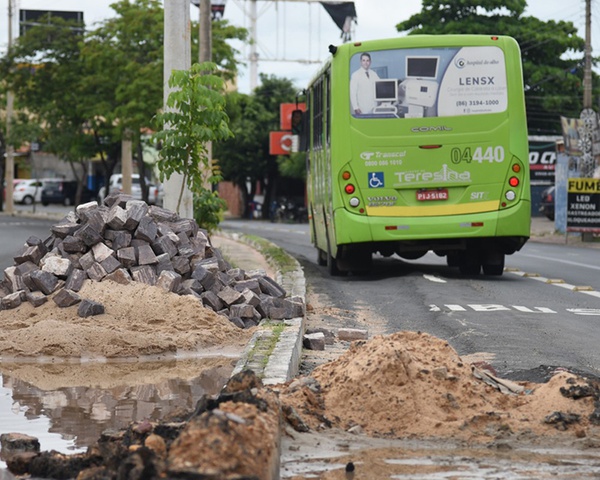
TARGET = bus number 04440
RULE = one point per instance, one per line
(479, 154)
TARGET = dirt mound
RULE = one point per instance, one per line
(139, 320)
(414, 384)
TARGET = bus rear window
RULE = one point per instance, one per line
(428, 82)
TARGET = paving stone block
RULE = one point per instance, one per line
(110, 264)
(101, 252)
(314, 341)
(66, 298)
(230, 296)
(60, 267)
(88, 308)
(89, 235)
(144, 274)
(127, 256)
(36, 298)
(96, 272)
(169, 281)
(212, 301)
(120, 276)
(43, 281)
(10, 301)
(75, 280)
(31, 254)
(146, 255)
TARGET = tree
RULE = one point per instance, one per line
(293, 165)
(223, 54)
(552, 77)
(101, 87)
(124, 79)
(195, 116)
(245, 158)
(44, 70)
(131, 43)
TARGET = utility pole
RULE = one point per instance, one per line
(9, 173)
(205, 33)
(587, 74)
(253, 52)
(177, 56)
(205, 55)
(253, 57)
(127, 161)
(589, 117)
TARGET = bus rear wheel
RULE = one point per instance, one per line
(493, 263)
(354, 258)
(332, 267)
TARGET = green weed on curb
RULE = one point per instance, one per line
(275, 255)
(264, 346)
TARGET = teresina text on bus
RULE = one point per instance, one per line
(439, 128)
(445, 174)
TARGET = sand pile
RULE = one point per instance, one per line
(412, 383)
(139, 320)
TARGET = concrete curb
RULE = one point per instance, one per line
(275, 349)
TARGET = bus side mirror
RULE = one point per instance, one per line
(297, 117)
(304, 132)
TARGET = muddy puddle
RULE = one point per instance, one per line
(68, 405)
(327, 455)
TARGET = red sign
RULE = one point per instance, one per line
(280, 143)
(285, 114)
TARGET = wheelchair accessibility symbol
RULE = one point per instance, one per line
(375, 179)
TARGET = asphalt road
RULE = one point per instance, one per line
(542, 312)
(14, 232)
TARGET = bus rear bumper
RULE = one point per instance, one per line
(509, 229)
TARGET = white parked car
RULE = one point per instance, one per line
(115, 184)
(28, 190)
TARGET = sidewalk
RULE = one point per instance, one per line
(543, 230)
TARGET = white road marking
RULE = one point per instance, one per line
(504, 308)
(567, 262)
(524, 309)
(456, 308)
(489, 308)
(433, 278)
(585, 311)
(557, 283)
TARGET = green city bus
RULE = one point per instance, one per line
(418, 144)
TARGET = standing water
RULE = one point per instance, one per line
(68, 405)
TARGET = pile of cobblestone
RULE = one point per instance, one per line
(124, 240)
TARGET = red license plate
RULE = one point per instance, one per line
(436, 194)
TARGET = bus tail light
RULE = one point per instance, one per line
(351, 191)
(513, 181)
